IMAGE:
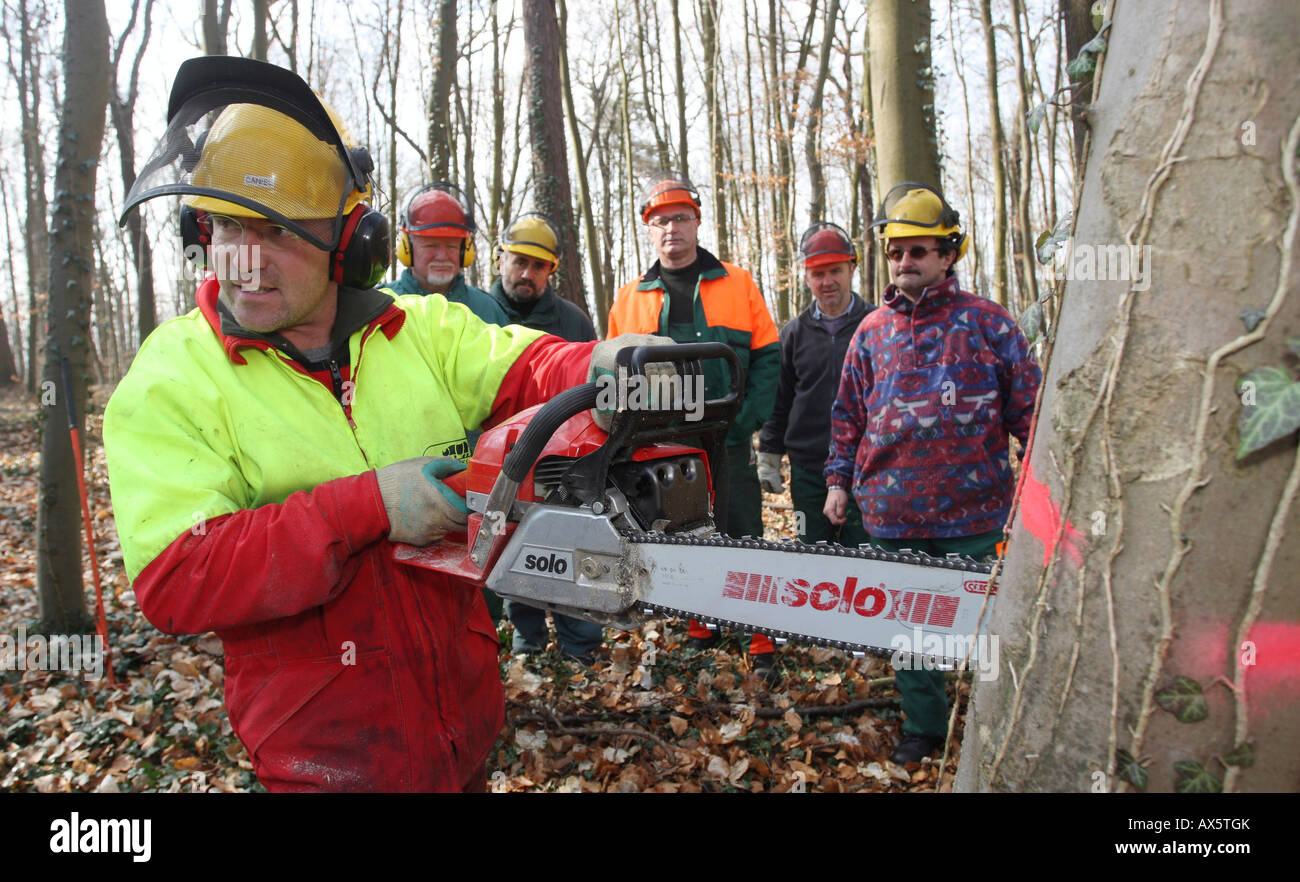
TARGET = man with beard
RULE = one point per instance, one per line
(527, 256)
(435, 243)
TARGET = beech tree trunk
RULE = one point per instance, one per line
(72, 263)
(439, 109)
(1166, 592)
(551, 193)
(902, 93)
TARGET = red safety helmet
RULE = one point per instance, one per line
(826, 243)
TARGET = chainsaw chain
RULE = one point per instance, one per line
(950, 562)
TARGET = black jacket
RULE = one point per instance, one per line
(552, 314)
(811, 361)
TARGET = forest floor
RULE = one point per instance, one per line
(649, 715)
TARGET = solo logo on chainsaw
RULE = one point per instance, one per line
(544, 562)
(868, 601)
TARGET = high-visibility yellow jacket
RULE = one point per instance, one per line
(246, 503)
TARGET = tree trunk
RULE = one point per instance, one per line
(550, 151)
(259, 30)
(997, 149)
(902, 93)
(35, 232)
(81, 132)
(1150, 556)
(708, 13)
(1027, 287)
(812, 138)
(683, 161)
(603, 296)
(1078, 31)
(122, 110)
(216, 24)
(439, 109)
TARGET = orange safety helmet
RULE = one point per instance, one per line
(669, 188)
(825, 243)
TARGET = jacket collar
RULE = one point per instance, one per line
(710, 268)
(358, 309)
(542, 313)
(857, 309)
(932, 298)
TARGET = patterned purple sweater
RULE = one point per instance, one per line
(928, 395)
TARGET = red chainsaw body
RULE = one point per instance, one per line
(577, 437)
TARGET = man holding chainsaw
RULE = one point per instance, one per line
(266, 450)
(934, 383)
(691, 296)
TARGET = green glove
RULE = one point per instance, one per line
(421, 509)
(603, 364)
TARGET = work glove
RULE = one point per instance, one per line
(769, 472)
(421, 509)
(603, 364)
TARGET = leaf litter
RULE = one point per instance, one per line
(650, 715)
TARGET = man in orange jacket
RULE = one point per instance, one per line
(691, 296)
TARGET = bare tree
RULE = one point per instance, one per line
(439, 109)
(122, 109)
(216, 25)
(997, 155)
(550, 151)
(812, 137)
(81, 132)
(26, 74)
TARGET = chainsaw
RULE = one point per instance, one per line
(622, 526)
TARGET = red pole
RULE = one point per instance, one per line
(101, 621)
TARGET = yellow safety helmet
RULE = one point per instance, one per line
(270, 159)
(533, 234)
(915, 209)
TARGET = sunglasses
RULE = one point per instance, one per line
(916, 252)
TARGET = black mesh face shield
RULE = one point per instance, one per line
(248, 139)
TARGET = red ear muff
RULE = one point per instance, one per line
(361, 258)
(196, 235)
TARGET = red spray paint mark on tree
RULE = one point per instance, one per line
(1041, 516)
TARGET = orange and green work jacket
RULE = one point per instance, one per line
(729, 309)
(246, 502)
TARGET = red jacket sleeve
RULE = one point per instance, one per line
(542, 371)
(264, 563)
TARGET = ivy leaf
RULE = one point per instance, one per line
(1096, 45)
(1050, 242)
(1242, 755)
(1130, 769)
(1193, 778)
(1184, 699)
(1036, 117)
(1031, 322)
(1080, 69)
(1252, 317)
(1270, 408)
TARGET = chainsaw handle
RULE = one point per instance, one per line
(545, 423)
(637, 357)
